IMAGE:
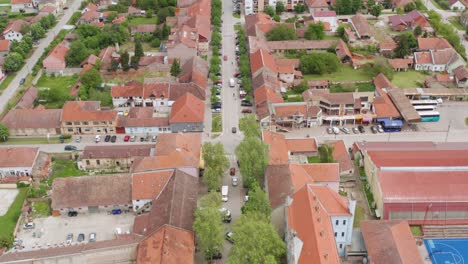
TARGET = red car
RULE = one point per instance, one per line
(246, 111)
(225, 58)
(126, 138)
(232, 171)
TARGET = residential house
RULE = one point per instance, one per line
(17, 161)
(87, 117)
(383, 106)
(134, 11)
(33, 122)
(360, 26)
(202, 24)
(49, 9)
(390, 242)
(297, 114)
(409, 21)
(89, 7)
(175, 150)
(112, 158)
(262, 60)
(4, 47)
(437, 43)
(173, 195)
(437, 60)
(319, 225)
(266, 95)
(55, 60)
(58, 4)
(401, 64)
(316, 5)
(343, 52)
(350, 35)
(318, 84)
(461, 76)
(143, 121)
(107, 55)
(440, 81)
(340, 108)
(254, 20)
(90, 17)
(182, 43)
(143, 29)
(401, 3)
(13, 30)
(195, 70)
(91, 194)
(457, 5)
(23, 6)
(28, 99)
(283, 150)
(300, 45)
(327, 17)
(386, 48)
(168, 245)
(341, 155)
(187, 114)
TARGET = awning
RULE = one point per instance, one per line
(367, 119)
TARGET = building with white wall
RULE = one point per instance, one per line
(17, 161)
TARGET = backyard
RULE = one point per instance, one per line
(54, 91)
(409, 79)
(8, 221)
(143, 20)
(62, 168)
(41, 209)
(358, 216)
(351, 87)
(344, 73)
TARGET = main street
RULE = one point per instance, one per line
(13, 87)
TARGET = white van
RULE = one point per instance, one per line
(232, 82)
(224, 193)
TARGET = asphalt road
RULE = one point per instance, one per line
(13, 87)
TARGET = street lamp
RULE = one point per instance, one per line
(448, 130)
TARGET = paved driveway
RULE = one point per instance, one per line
(7, 198)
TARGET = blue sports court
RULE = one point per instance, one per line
(447, 250)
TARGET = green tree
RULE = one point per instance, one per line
(212, 178)
(319, 63)
(125, 61)
(209, 229)
(300, 8)
(387, 4)
(77, 53)
(257, 203)
(4, 132)
(37, 32)
(376, 10)
(113, 66)
(134, 62)
(281, 32)
(326, 153)
(175, 68)
(279, 7)
(253, 156)
(212, 199)
(91, 78)
(269, 10)
(315, 31)
(13, 62)
(249, 125)
(380, 65)
(410, 7)
(370, 4)
(149, 14)
(251, 232)
(406, 42)
(216, 163)
(139, 49)
(356, 5)
(277, 18)
(418, 31)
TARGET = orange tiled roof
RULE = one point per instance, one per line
(301, 144)
(320, 172)
(187, 109)
(278, 148)
(86, 111)
(433, 44)
(267, 94)
(261, 58)
(4, 45)
(341, 155)
(148, 185)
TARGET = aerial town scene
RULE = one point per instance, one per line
(234, 131)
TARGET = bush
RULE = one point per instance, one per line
(319, 63)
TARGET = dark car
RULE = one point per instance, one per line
(70, 147)
(72, 213)
(229, 237)
(80, 238)
(237, 75)
(217, 255)
(246, 103)
(22, 81)
(374, 129)
(234, 130)
(216, 105)
(361, 129)
(116, 211)
(107, 138)
(113, 139)
(246, 111)
(142, 139)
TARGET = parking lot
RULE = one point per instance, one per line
(453, 113)
(52, 231)
(8, 196)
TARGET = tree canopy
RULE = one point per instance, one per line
(376, 10)
(209, 229)
(258, 202)
(249, 125)
(326, 153)
(175, 68)
(13, 62)
(253, 156)
(319, 63)
(315, 31)
(281, 32)
(4, 132)
(216, 163)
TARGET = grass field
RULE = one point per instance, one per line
(63, 168)
(358, 216)
(216, 123)
(63, 82)
(416, 231)
(5, 1)
(361, 87)
(409, 79)
(59, 89)
(456, 23)
(345, 73)
(8, 221)
(313, 159)
(32, 140)
(7, 81)
(41, 209)
(143, 20)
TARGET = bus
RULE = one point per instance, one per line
(422, 108)
(429, 116)
(425, 102)
(391, 125)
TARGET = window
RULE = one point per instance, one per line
(95, 123)
(341, 246)
(103, 122)
(162, 103)
(68, 123)
(342, 234)
(70, 130)
(87, 162)
(335, 234)
(344, 222)
(98, 162)
(87, 130)
(76, 123)
(336, 222)
(85, 123)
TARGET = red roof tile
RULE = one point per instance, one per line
(301, 144)
(55, 60)
(260, 59)
(12, 157)
(187, 109)
(361, 26)
(4, 45)
(148, 185)
(86, 111)
(422, 158)
(433, 44)
(278, 147)
(341, 155)
(266, 94)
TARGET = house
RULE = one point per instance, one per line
(437, 60)
(17, 161)
(300, 45)
(107, 55)
(427, 44)
(341, 155)
(202, 24)
(265, 95)
(49, 9)
(434, 189)
(91, 194)
(182, 43)
(439, 81)
(401, 64)
(350, 35)
(343, 52)
(173, 195)
(28, 99)
(456, 5)
(4, 47)
(401, 3)
(90, 17)
(13, 30)
(143, 29)
(195, 70)
(55, 60)
(390, 242)
(386, 48)
(327, 17)
(89, 7)
(134, 11)
(262, 60)
(461, 76)
(33, 122)
(112, 158)
(283, 150)
(87, 117)
(187, 114)
(316, 5)
(143, 120)
(168, 245)
(23, 6)
(298, 114)
(319, 225)
(360, 26)
(318, 84)
(383, 106)
(254, 20)
(409, 21)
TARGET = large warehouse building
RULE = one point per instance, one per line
(422, 182)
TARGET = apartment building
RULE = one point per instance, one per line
(87, 117)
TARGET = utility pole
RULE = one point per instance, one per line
(448, 130)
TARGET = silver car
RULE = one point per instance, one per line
(235, 181)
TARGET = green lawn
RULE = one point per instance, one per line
(63, 82)
(466, 121)
(8, 221)
(456, 23)
(32, 140)
(5, 1)
(416, 231)
(58, 91)
(7, 81)
(216, 123)
(294, 98)
(41, 209)
(143, 20)
(344, 73)
(409, 79)
(62, 168)
(358, 216)
(313, 159)
(361, 87)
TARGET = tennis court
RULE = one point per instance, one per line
(447, 250)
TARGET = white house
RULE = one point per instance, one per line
(17, 161)
(456, 5)
(13, 30)
(248, 7)
(327, 17)
(27, 6)
(437, 60)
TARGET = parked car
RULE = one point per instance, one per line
(216, 110)
(345, 130)
(246, 111)
(153, 139)
(380, 129)
(226, 215)
(81, 237)
(29, 225)
(116, 211)
(142, 139)
(237, 75)
(216, 105)
(374, 129)
(126, 138)
(217, 255)
(69, 238)
(361, 129)
(113, 138)
(329, 130)
(234, 130)
(72, 213)
(235, 181)
(229, 236)
(70, 147)
(246, 103)
(22, 81)
(98, 138)
(232, 171)
(132, 138)
(225, 58)
(355, 130)
(92, 237)
(107, 138)
(336, 130)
